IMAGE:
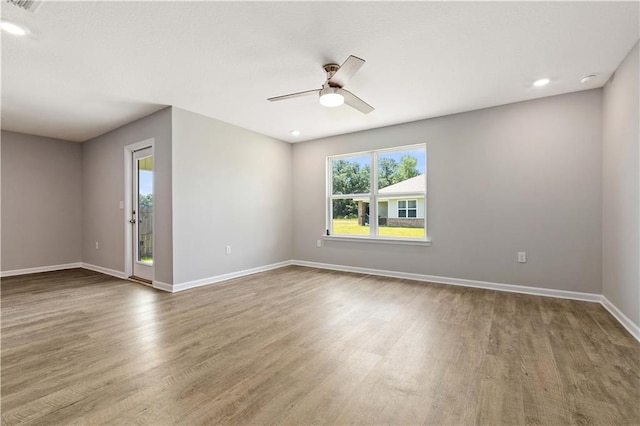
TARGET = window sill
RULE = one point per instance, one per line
(397, 241)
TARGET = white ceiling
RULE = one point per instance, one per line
(90, 67)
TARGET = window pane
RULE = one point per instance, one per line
(398, 171)
(402, 204)
(412, 204)
(397, 222)
(350, 216)
(351, 175)
(145, 210)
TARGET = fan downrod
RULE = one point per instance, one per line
(331, 69)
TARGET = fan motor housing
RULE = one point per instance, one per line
(331, 69)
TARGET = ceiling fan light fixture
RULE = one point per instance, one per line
(330, 97)
(332, 93)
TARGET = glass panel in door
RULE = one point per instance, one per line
(145, 210)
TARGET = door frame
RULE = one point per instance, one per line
(128, 195)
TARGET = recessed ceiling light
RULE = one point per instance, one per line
(541, 82)
(12, 28)
(295, 132)
(587, 78)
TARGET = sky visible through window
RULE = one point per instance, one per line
(145, 182)
(418, 154)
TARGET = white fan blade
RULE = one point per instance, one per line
(294, 95)
(355, 102)
(346, 71)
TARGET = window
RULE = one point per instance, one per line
(378, 194)
(407, 208)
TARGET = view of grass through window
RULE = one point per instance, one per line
(399, 194)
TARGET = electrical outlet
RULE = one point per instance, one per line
(319, 243)
(97, 245)
(522, 257)
(227, 250)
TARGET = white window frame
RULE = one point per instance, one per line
(374, 196)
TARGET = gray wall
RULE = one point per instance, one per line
(41, 201)
(520, 177)
(232, 187)
(103, 189)
(621, 189)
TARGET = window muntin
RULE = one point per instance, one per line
(389, 203)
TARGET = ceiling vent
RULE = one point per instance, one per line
(28, 5)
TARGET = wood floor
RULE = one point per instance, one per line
(306, 346)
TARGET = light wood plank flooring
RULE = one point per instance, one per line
(306, 346)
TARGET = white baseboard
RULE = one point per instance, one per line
(231, 275)
(40, 269)
(103, 270)
(537, 291)
(631, 327)
(163, 286)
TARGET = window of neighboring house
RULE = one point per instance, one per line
(408, 208)
(378, 194)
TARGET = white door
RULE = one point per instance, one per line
(142, 214)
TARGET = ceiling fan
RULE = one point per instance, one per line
(332, 93)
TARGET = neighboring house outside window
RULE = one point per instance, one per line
(407, 212)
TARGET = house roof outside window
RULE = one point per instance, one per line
(414, 184)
